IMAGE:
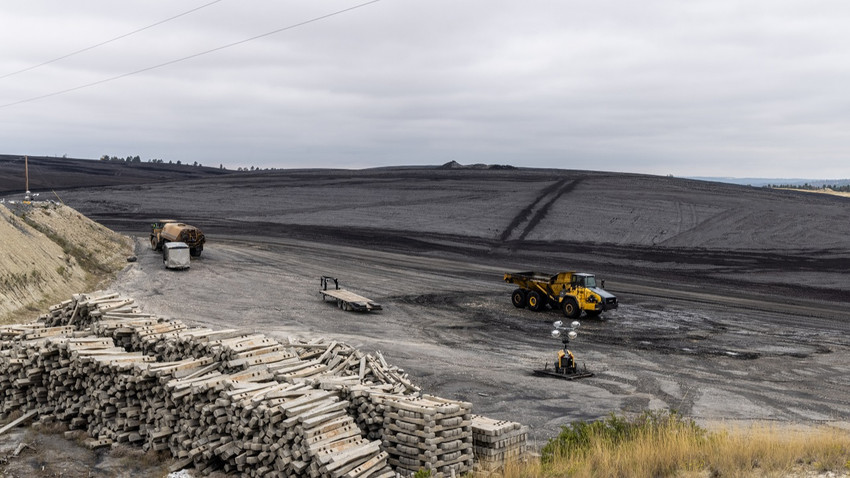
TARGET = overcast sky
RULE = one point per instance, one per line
(690, 88)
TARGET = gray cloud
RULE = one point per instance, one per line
(689, 88)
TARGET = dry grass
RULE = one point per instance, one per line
(820, 191)
(10, 417)
(136, 458)
(53, 427)
(668, 446)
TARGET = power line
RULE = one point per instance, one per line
(178, 60)
(7, 75)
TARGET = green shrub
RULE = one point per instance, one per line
(422, 473)
(614, 430)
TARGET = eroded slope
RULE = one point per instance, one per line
(50, 251)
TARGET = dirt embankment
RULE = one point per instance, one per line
(50, 251)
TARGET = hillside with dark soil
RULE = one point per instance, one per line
(658, 229)
(50, 173)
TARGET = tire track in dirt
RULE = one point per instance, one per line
(531, 215)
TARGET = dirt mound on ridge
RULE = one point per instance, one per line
(50, 251)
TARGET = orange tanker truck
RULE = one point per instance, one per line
(167, 230)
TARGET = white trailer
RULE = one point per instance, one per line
(175, 255)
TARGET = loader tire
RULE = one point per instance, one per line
(571, 310)
(593, 313)
(535, 303)
(518, 298)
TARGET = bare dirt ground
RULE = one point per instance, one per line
(734, 301)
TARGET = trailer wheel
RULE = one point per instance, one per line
(518, 298)
(534, 301)
(571, 310)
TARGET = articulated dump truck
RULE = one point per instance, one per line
(571, 292)
(168, 230)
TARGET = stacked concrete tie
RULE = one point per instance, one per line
(367, 407)
(84, 309)
(497, 442)
(428, 433)
(24, 354)
(110, 315)
(139, 335)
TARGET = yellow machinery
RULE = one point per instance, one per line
(565, 364)
(168, 230)
(572, 292)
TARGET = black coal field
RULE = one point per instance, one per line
(734, 301)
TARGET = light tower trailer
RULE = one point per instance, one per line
(565, 366)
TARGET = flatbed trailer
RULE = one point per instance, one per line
(345, 299)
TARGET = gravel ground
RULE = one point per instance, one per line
(449, 322)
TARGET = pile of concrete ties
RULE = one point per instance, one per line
(233, 401)
(428, 433)
(497, 442)
(240, 422)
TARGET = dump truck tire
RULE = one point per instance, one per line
(518, 298)
(571, 310)
(155, 244)
(196, 251)
(534, 301)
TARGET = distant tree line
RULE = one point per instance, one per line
(252, 168)
(137, 159)
(845, 188)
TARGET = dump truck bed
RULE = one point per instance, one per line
(528, 276)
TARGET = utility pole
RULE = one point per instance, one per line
(28, 194)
